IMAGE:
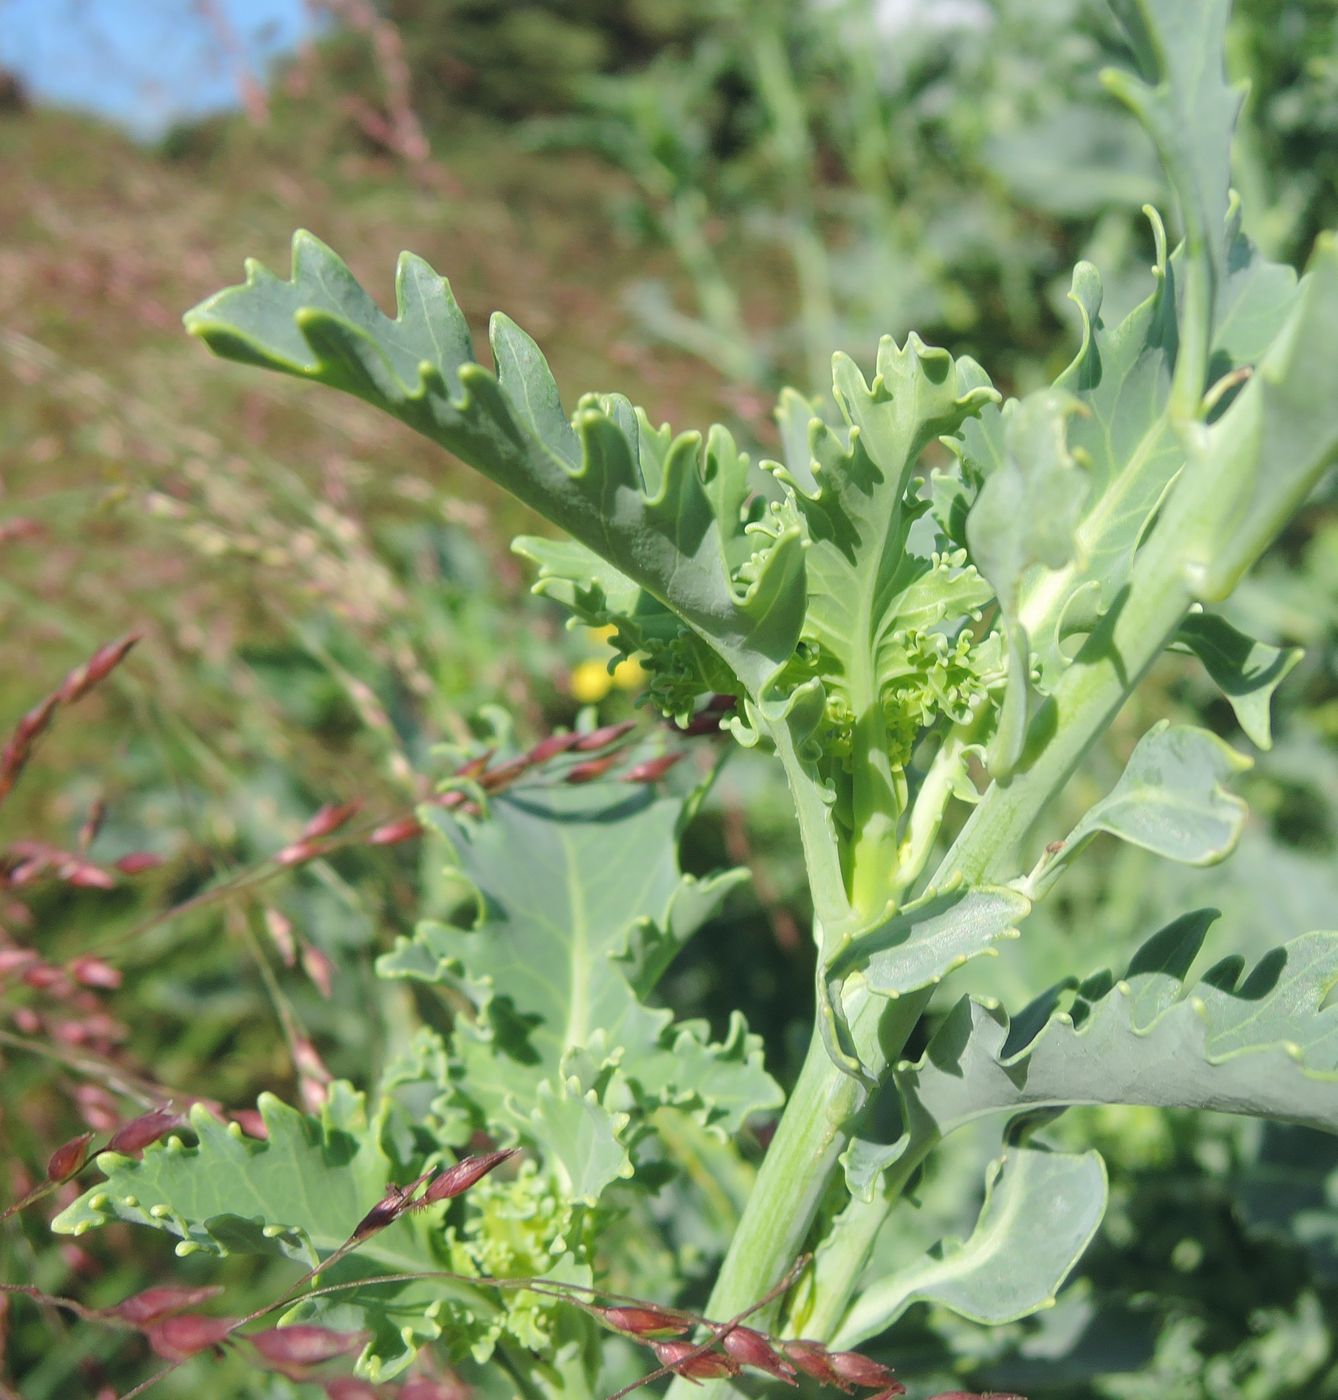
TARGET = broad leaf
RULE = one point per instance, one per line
(660, 511)
(1040, 1212)
(564, 944)
(1264, 1045)
(298, 1194)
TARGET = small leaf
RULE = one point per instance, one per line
(925, 941)
(1169, 800)
(580, 1138)
(1248, 672)
(1041, 1210)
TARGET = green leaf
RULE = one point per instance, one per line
(298, 1194)
(1249, 471)
(1247, 671)
(1040, 1212)
(563, 946)
(1186, 105)
(1265, 1045)
(1170, 800)
(1024, 521)
(580, 1138)
(918, 946)
(658, 510)
(870, 599)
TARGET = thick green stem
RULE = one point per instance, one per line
(823, 1111)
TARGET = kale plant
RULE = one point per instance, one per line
(922, 652)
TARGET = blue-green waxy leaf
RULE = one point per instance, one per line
(580, 1138)
(914, 948)
(1247, 671)
(669, 520)
(1265, 1044)
(919, 945)
(1250, 469)
(1186, 105)
(564, 944)
(1023, 524)
(298, 1194)
(871, 601)
(1040, 1212)
(1170, 800)
(1029, 506)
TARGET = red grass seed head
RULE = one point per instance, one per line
(454, 1181)
(751, 1348)
(69, 1158)
(860, 1370)
(644, 1322)
(133, 1137)
(678, 1356)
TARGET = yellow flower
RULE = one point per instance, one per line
(591, 681)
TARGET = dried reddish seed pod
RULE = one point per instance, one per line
(27, 1020)
(601, 738)
(138, 1133)
(652, 769)
(42, 977)
(86, 876)
(98, 666)
(643, 1322)
(68, 1158)
(679, 1357)
(319, 968)
(860, 1370)
(475, 766)
(175, 1338)
(299, 853)
(304, 1345)
(392, 833)
(812, 1360)
(154, 1303)
(16, 960)
(94, 972)
(504, 773)
(137, 862)
(551, 747)
(383, 1213)
(593, 768)
(330, 818)
(751, 1348)
(459, 1178)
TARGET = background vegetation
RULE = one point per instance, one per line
(689, 200)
